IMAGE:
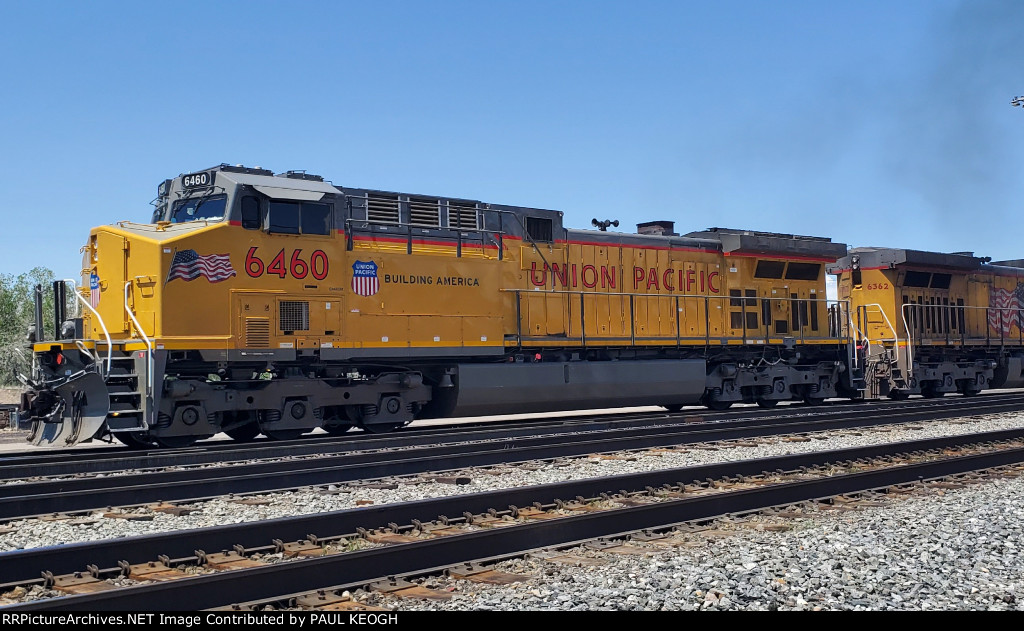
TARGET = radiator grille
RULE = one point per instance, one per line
(382, 208)
(424, 212)
(257, 332)
(294, 315)
(462, 216)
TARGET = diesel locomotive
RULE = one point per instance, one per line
(932, 323)
(262, 303)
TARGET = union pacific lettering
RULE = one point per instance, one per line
(653, 279)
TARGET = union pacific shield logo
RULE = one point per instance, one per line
(364, 278)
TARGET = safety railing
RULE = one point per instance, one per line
(961, 324)
(692, 311)
(145, 338)
(412, 232)
(862, 318)
(99, 319)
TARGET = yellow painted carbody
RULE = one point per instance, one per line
(563, 294)
(968, 312)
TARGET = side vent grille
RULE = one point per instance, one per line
(382, 208)
(257, 333)
(462, 216)
(294, 315)
(424, 212)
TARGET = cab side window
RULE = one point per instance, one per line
(286, 217)
(251, 219)
(315, 218)
(283, 217)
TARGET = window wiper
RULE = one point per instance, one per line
(203, 199)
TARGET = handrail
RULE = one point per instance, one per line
(520, 293)
(860, 335)
(458, 231)
(852, 348)
(626, 293)
(401, 224)
(103, 326)
(910, 338)
(895, 334)
(954, 309)
(149, 344)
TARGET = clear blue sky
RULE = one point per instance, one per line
(874, 123)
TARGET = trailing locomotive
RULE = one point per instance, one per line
(270, 303)
(933, 323)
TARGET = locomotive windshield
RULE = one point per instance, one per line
(209, 207)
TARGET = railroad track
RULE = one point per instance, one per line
(27, 464)
(369, 545)
(68, 495)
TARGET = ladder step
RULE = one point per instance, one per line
(125, 423)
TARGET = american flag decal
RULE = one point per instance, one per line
(1004, 309)
(94, 291)
(364, 278)
(188, 265)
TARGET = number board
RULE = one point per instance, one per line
(197, 180)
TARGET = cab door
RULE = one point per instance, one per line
(112, 252)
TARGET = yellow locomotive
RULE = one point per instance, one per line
(270, 303)
(931, 323)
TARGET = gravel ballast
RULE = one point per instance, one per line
(32, 533)
(949, 550)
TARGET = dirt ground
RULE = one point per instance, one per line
(8, 434)
(10, 395)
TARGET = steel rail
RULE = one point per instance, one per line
(281, 580)
(74, 461)
(77, 494)
(26, 565)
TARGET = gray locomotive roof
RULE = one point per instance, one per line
(772, 243)
(891, 257)
(641, 240)
(271, 182)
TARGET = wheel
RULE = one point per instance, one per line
(673, 407)
(970, 393)
(337, 424)
(176, 442)
(814, 400)
(244, 433)
(932, 394)
(898, 395)
(767, 403)
(135, 440)
(718, 406)
(337, 429)
(283, 434)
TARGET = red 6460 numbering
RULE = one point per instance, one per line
(296, 266)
